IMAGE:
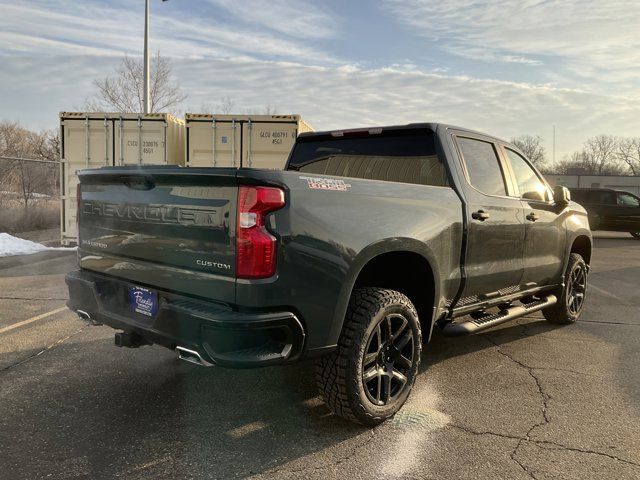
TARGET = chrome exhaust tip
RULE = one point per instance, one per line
(192, 356)
(87, 318)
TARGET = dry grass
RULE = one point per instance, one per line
(41, 214)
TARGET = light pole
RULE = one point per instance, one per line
(147, 98)
(554, 144)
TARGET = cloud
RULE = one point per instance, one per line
(489, 56)
(51, 52)
(301, 19)
(35, 28)
(584, 41)
(331, 97)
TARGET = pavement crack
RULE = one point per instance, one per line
(545, 397)
(40, 352)
(545, 416)
(531, 371)
(484, 432)
(514, 457)
(514, 452)
(558, 446)
(541, 443)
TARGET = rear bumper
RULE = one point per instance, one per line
(219, 335)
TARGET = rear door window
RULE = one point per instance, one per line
(393, 156)
(483, 166)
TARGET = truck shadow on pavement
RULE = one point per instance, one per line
(91, 410)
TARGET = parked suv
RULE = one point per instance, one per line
(609, 209)
(368, 241)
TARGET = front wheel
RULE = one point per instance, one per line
(370, 374)
(571, 298)
(635, 234)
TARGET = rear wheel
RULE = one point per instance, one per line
(635, 234)
(571, 298)
(370, 374)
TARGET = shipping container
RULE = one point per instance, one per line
(97, 139)
(256, 141)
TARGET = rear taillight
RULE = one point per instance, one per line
(255, 246)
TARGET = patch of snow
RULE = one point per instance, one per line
(16, 194)
(10, 245)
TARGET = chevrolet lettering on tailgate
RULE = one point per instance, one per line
(153, 213)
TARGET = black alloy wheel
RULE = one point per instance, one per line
(370, 374)
(388, 359)
(572, 295)
(576, 289)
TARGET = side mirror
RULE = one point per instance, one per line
(561, 196)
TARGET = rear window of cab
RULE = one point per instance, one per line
(393, 156)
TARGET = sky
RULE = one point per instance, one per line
(505, 67)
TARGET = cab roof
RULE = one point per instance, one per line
(364, 131)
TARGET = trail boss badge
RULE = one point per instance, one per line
(326, 184)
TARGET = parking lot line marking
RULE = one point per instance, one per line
(31, 320)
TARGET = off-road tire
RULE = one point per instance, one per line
(635, 235)
(561, 313)
(340, 374)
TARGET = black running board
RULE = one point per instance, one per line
(472, 326)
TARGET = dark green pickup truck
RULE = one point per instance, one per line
(369, 240)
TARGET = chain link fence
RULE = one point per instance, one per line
(29, 194)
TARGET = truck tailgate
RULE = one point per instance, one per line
(167, 227)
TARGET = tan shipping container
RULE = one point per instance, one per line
(98, 139)
(256, 141)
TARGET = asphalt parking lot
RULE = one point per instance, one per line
(524, 400)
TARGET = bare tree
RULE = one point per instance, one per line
(27, 180)
(270, 110)
(15, 140)
(124, 91)
(225, 106)
(600, 155)
(573, 164)
(31, 180)
(628, 152)
(532, 147)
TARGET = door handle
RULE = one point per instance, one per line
(532, 217)
(480, 215)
